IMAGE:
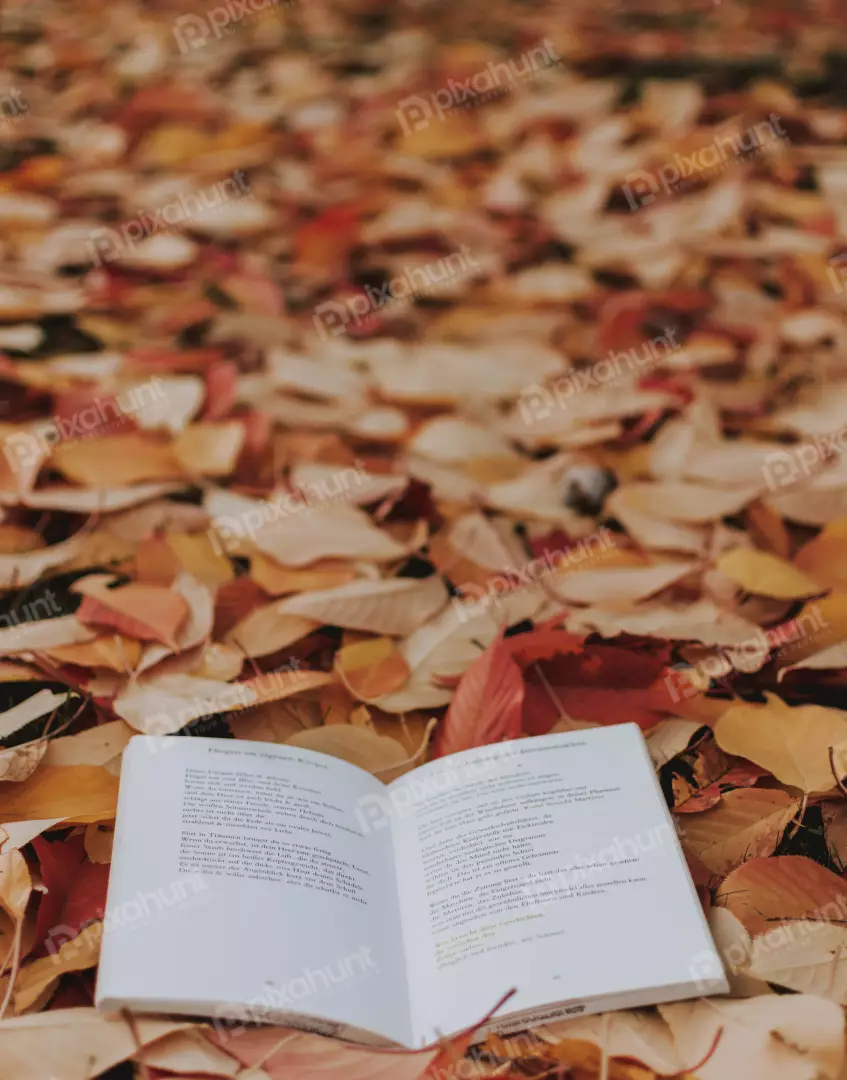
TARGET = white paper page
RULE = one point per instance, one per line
(210, 901)
(550, 866)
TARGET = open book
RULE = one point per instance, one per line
(265, 883)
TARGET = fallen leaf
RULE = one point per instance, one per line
(764, 1038)
(78, 793)
(793, 744)
(746, 824)
(766, 574)
(378, 754)
(764, 892)
(397, 606)
(371, 668)
(487, 705)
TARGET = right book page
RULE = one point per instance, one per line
(550, 865)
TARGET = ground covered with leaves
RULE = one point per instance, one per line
(392, 379)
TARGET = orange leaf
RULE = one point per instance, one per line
(371, 668)
(146, 612)
(487, 705)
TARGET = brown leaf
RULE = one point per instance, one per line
(764, 892)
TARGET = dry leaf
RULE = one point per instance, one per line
(379, 754)
(766, 574)
(793, 744)
(397, 606)
(746, 824)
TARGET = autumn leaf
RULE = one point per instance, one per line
(793, 744)
(487, 704)
(763, 892)
(746, 824)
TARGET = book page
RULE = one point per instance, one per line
(547, 864)
(243, 883)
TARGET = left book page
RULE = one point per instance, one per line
(243, 885)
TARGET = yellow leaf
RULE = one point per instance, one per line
(78, 793)
(371, 668)
(379, 754)
(766, 574)
(825, 557)
(78, 954)
(793, 744)
(198, 556)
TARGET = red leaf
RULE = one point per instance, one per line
(745, 774)
(543, 643)
(221, 383)
(146, 612)
(86, 899)
(487, 705)
(59, 861)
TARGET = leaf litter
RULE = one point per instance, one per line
(433, 429)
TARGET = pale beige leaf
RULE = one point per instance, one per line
(95, 746)
(190, 1052)
(78, 954)
(747, 822)
(735, 946)
(808, 956)
(626, 1034)
(620, 584)
(40, 704)
(670, 737)
(793, 744)
(268, 629)
(449, 644)
(162, 704)
(19, 570)
(296, 534)
(321, 484)
(383, 756)
(20, 762)
(764, 1038)
(701, 621)
(687, 503)
(44, 634)
(396, 606)
(91, 500)
(73, 1044)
